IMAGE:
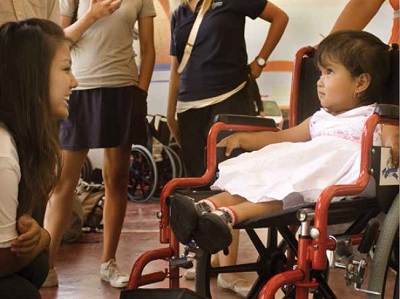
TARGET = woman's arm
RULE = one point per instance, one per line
(147, 51)
(15, 258)
(257, 140)
(97, 10)
(278, 20)
(172, 99)
(390, 138)
(357, 14)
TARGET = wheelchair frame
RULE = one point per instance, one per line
(313, 242)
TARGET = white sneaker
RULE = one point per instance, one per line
(190, 274)
(51, 279)
(109, 272)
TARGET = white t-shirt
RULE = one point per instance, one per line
(104, 55)
(10, 176)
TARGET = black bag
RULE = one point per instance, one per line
(160, 294)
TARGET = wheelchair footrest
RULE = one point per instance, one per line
(177, 293)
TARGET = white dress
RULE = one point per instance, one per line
(332, 156)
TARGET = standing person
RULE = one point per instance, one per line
(35, 84)
(213, 80)
(358, 13)
(354, 67)
(108, 110)
(18, 10)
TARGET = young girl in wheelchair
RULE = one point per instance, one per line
(323, 150)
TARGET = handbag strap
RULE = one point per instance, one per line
(192, 37)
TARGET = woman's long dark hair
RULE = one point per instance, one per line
(27, 49)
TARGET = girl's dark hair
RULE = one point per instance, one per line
(359, 52)
(27, 49)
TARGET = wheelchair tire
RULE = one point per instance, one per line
(86, 171)
(166, 170)
(385, 245)
(143, 176)
(202, 280)
(178, 162)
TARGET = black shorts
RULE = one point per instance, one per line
(105, 117)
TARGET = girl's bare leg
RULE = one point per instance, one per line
(248, 210)
(115, 175)
(60, 206)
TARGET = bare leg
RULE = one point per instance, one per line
(60, 205)
(248, 210)
(243, 208)
(115, 175)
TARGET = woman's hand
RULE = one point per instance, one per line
(231, 142)
(390, 138)
(29, 236)
(103, 8)
(174, 128)
(255, 69)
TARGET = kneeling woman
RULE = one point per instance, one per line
(35, 83)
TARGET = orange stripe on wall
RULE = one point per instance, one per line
(279, 66)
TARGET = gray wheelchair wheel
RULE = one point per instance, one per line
(385, 248)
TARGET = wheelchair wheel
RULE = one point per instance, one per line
(386, 256)
(167, 169)
(202, 280)
(142, 174)
(178, 163)
(86, 171)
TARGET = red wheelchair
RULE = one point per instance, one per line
(296, 266)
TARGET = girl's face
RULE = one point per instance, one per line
(336, 88)
(61, 82)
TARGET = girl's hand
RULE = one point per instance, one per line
(103, 8)
(231, 142)
(29, 235)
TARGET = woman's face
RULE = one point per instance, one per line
(61, 82)
(336, 88)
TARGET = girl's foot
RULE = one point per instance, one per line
(213, 233)
(184, 218)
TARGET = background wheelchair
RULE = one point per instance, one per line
(153, 165)
(295, 266)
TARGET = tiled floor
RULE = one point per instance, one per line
(78, 263)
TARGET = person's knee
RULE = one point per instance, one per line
(115, 178)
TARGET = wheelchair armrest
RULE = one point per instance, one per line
(245, 120)
(387, 111)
